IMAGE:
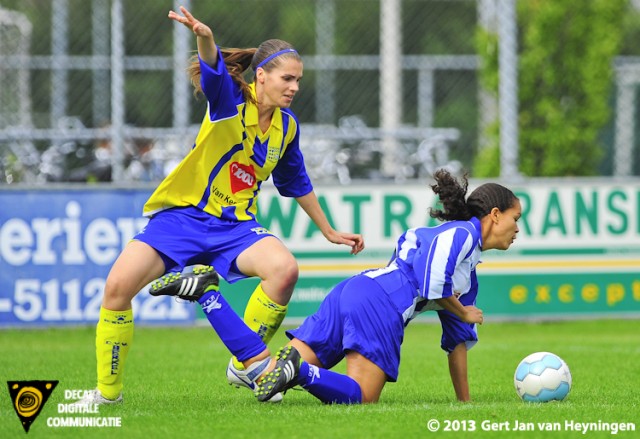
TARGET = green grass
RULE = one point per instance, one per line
(175, 385)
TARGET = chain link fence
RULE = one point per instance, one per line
(96, 90)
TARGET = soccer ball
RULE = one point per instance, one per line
(542, 377)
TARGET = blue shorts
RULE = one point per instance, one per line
(187, 236)
(357, 315)
(454, 330)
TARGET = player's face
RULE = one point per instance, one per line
(505, 228)
(282, 83)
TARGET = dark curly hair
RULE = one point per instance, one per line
(452, 195)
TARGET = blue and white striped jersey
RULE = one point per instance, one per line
(432, 263)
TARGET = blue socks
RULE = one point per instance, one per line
(241, 341)
(329, 387)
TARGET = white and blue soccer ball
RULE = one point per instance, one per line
(542, 377)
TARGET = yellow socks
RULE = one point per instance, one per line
(114, 335)
(263, 316)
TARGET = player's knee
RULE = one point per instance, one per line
(369, 399)
(284, 272)
(291, 273)
(117, 292)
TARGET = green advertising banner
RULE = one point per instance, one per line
(566, 293)
(577, 253)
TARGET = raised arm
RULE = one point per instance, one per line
(311, 206)
(206, 45)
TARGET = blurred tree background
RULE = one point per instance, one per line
(566, 73)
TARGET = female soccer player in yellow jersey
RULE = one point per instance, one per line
(204, 212)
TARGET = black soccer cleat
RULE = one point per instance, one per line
(282, 377)
(189, 286)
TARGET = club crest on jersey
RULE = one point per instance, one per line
(242, 177)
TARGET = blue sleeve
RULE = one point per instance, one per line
(290, 174)
(222, 93)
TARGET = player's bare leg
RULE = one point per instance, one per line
(366, 373)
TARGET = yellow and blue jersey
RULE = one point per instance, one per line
(231, 157)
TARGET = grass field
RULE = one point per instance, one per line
(175, 386)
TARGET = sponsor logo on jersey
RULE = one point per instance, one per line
(242, 177)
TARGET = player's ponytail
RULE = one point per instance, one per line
(194, 75)
(452, 195)
(237, 62)
(267, 56)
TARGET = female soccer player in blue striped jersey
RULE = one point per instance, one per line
(363, 318)
(204, 212)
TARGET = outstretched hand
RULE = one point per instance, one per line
(206, 46)
(196, 26)
(353, 240)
